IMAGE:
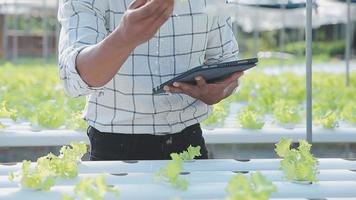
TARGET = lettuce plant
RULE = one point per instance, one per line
(5, 112)
(265, 98)
(218, 115)
(286, 112)
(174, 167)
(92, 189)
(329, 120)
(75, 122)
(50, 167)
(249, 119)
(190, 153)
(257, 187)
(172, 171)
(349, 113)
(297, 164)
(49, 114)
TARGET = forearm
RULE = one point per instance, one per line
(99, 63)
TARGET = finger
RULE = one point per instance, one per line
(233, 86)
(153, 7)
(162, 18)
(230, 89)
(148, 12)
(232, 78)
(153, 23)
(235, 76)
(137, 3)
(191, 90)
(169, 89)
(200, 81)
(156, 20)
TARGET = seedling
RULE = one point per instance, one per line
(50, 167)
(297, 164)
(249, 119)
(349, 113)
(92, 189)
(5, 112)
(329, 120)
(218, 115)
(171, 172)
(257, 187)
(286, 112)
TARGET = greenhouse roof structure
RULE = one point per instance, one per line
(262, 15)
(28, 6)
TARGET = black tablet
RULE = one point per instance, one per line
(211, 73)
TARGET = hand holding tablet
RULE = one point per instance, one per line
(211, 73)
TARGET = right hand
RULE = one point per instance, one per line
(143, 19)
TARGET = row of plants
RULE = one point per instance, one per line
(282, 98)
(297, 164)
(33, 93)
(328, 49)
(43, 175)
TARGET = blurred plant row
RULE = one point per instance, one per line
(33, 93)
(280, 99)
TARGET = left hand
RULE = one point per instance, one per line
(208, 93)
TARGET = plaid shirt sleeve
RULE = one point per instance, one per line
(83, 25)
(222, 45)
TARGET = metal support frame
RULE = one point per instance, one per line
(57, 32)
(309, 60)
(282, 34)
(256, 34)
(5, 37)
(15, 36)
(45, 31)
(348, 44)
(301, 36)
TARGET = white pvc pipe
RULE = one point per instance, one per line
(22, 137)
(116, 167)
(199, 177)
(206, 191)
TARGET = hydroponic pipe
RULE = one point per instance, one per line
(309, 54)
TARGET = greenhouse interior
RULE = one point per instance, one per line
(277, 122)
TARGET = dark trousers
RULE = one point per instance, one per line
(114, 146)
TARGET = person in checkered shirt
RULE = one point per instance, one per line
(115, 51)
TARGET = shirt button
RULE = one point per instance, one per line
(101, 93)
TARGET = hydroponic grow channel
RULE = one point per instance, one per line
(207, 180)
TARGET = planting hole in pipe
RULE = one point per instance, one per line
(120, 174)
(130, 161)
(243, 160)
